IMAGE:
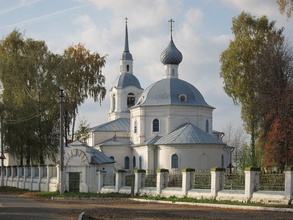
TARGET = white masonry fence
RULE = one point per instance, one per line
(220, 185)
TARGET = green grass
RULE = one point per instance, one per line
(12, 190)
(49, 195)
(212, 201)
(82, 195)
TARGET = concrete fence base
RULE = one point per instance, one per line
(45, 178)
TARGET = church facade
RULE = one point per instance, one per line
(167, 125)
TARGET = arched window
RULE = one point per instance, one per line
(127, 68)
(174, 161)
(207, 125)
(140, 162)
(156, 125)
(134, 161)
(222, 160)
(113, 103)
(130, 99)
(126, 163)
(135, 127)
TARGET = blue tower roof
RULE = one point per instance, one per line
(126, 55)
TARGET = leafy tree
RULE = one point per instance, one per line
(236, 137)
(276, 98)
(23, 73)
(286, 6)
(244, 157)
(81, 77)
(31, 76)
(83, 131)
(241, 70)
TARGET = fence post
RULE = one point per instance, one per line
(41, 173)
(120, 179)
(25, 173)
(252, 176)
(216, 180)
(139, 181)
(58, 176)
(162, 180)
(187, 179)
(32, 172)
(12, 175)
(101, 175)
(6, 175)
(19, 174)
(288, 171)
(49, 175)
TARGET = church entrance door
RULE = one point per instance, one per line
(74, 180)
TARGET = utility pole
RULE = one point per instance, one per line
(2, 154)
(61, 174)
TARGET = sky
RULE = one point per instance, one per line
(201, 31)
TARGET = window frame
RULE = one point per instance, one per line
(156, 125)
(126, 163)
(174, 161)
(130, 101)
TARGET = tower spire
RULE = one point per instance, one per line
(126, 55)
(126, 46)
(171, 27)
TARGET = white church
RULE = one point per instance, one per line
(167, 125)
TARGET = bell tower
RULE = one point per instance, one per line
(126, 88)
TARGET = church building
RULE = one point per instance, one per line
(167, 125)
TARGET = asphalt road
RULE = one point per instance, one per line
(15, 208)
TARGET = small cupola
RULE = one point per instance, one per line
(171, 55)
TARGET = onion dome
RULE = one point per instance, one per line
(171, 55)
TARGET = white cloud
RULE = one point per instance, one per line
(194, 16)
(100, 27)
(267, 7)
(21, 4)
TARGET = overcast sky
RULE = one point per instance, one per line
(201, 31)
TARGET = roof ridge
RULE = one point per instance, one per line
(183, 129)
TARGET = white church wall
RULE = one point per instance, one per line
(119, 109)
(119, 153)
(90, 140)
(113, 104)
(10, 160)
(130, 89)
(101, 137)
(170, 119)
(141, 155)
(197, 157)
(137, 114)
